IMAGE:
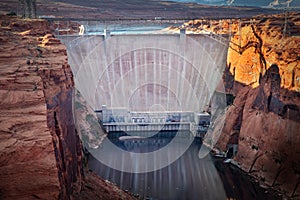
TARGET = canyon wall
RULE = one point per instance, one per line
(263, 73)
(40, 152)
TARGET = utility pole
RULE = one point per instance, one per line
(28, 8)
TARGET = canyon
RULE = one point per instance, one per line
(262, 74)
(37, 135)
(41, 153)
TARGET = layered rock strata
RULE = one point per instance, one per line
(264, 120)
(40, 152)
(263, 75)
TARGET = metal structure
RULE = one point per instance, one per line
(123, 120)
(27, 8)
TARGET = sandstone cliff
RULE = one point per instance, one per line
(263, 74)
(40, 152)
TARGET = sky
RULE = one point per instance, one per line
(258, 3)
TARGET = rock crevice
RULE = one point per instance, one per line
(40, 150)
(262, 79)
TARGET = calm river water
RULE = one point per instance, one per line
(188, 177)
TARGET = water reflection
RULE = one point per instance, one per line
(186, 178)
(145, 142)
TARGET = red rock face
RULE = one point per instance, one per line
(266, 111)
(263, 73)
(40, 152)
(264, 43)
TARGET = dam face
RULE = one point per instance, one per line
(147, 72)
(150, 88)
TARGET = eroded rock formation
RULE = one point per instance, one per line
(40, 151)
(40, 154)
(87, 125)
(270, 40)
(263, 75)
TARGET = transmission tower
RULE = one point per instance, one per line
(28, 8)
(286, 14)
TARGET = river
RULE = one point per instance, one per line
(188, 177)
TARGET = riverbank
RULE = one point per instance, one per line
(239, 185)
(188, 177)
(96, 188)
(262, 75)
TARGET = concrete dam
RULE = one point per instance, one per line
(152, 91)
(148, 78)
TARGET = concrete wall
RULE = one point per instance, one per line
(147, 72)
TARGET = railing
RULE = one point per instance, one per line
(73, 26)
(131, 127)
